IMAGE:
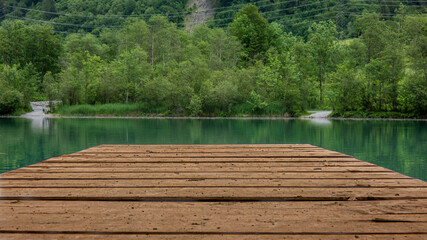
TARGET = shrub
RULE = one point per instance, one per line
(195, 106)
(10, 101)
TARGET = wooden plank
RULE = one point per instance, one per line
(215, 193)
(207, 152)
(296, 154)
(186, 236)
(199, 150)
(332, 183)
(392, 217)
(201, 169)
(294, 192)
(201, 146)
(69, 159)
(204, 149)
(206, 175)
(204, 164)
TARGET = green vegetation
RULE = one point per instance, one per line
(114, 109)
(360, 114)
(91, 15)
(370, 62)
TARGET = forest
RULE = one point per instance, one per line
(272, 58)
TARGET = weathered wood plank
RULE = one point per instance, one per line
(278, 180)
(200, 150)
(214, 193)
(249, 154)
(204, 164)
(186, 236)
(202, 146)
(295, 183)
(391, 217)
(201, 169)
(207, 150)
(70, 159)
(203, 149)
(206, 175)
(213, 152)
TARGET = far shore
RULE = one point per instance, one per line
(210, 118)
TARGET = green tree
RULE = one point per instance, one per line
(12, 42)
(371, 31)
(25, 80)
(48, 6)
(321, 40)
(220, 92)
(80, 43)
(253, 31)
(134, 35)
(43, 49)
(304, 70)
(81, 80)
(416, 31)
(414, 87)
(51, 86)
(156, 92)
(344, 89)
(91, 71)
(270, 81)
(10, 100)
(32, 44)
(129, 70)
(163, 37)
(384, 64)
(195, 106)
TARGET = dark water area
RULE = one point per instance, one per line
(397, 145)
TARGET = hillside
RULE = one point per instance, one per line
(295, 15)
(202, 11)
(359, 57)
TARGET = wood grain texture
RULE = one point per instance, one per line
(218, 217)
(205, 175)
(185, 236)
(206, 164)
(200, 182)
(210, 192)
(200, 169)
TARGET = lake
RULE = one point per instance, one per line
(397, 145)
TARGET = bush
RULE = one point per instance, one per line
(360, 114)
(195, 106)
(258, 106)
(10, 101)
(115, 109)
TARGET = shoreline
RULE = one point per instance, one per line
(53, 116)
(40, 107)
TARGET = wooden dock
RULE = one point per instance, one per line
(210, 192)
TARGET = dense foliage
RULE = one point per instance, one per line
(251, 67)
(297, 15)
(91, 15)
(294, 15)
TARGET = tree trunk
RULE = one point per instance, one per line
(127, 94)
(152, 53)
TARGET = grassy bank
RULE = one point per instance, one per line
(240, 110)
(115, 109)
(385, 115)
(140, 109)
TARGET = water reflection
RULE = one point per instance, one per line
(320, 121)
(39, 123)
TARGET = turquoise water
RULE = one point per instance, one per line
(397, 145)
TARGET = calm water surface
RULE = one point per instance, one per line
(397, 145)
